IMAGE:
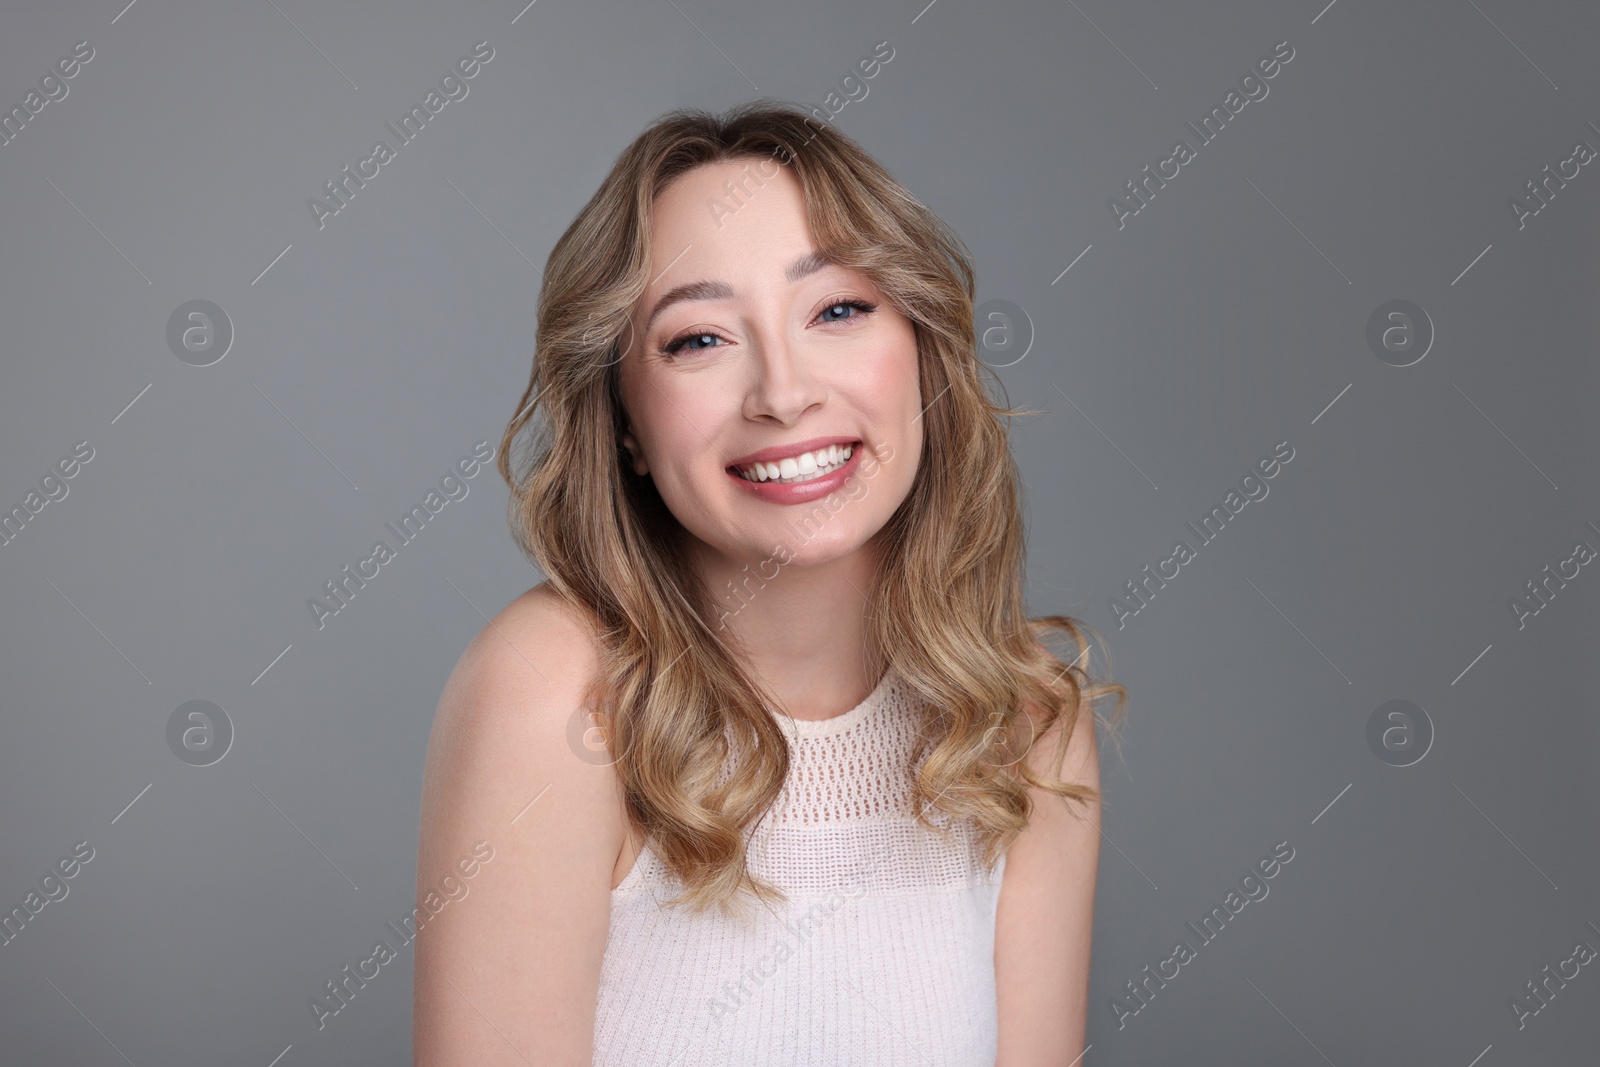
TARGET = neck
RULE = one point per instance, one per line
(801, 626)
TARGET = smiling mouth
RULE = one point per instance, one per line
(801, 468)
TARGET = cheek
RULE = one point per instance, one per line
(892, 378)
(685, 415)
(676, 423)
(887, 393)
(650, 410)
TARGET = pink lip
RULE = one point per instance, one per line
(777, 452)
(802, 492)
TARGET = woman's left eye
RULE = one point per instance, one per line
(859, 305)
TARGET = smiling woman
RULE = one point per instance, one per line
(855, 821)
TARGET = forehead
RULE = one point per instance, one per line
(746, 209)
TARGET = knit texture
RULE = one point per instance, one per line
(883, 955)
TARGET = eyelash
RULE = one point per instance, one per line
(671, 349)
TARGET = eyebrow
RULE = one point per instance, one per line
(719, 290)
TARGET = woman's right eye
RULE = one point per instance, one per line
(673, 347)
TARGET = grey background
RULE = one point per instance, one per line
(1228, 315)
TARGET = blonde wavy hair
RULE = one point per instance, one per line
(696, 749)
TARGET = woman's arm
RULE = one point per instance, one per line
(508, 973)
(1045, 916)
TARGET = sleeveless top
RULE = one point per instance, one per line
(882, 956)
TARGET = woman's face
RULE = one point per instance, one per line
(771, 357)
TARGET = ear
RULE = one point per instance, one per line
(640, 466)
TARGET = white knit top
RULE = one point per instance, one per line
(883, 955)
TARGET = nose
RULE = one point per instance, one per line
(783, 386)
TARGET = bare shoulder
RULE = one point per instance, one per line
(1044, 919)
(522, 948)
(539, 630)
(1070, 751)
(514, 693)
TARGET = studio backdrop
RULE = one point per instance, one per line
(1305, 294)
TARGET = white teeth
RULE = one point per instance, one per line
(801, 468)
